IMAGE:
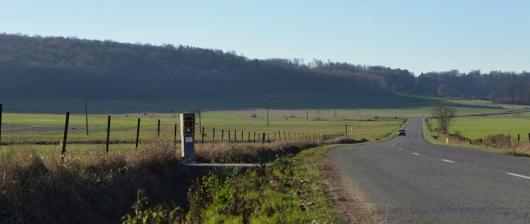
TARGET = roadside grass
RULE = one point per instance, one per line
(47, 191)
(290, 190)
(105, 189)
(89, 191)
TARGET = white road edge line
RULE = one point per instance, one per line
(448, 161)
(518, 175)
(415, 153)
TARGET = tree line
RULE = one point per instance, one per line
(59, 67)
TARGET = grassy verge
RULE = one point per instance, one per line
(44, 190)
(290, 190)
(434, 137)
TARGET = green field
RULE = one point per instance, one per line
(43, 132)
(24, 131)
(481, 127)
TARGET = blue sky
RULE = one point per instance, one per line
(419, 35)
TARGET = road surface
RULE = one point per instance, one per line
(412, 181)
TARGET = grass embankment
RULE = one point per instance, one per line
(97, 190)
(290, 190)
(498, 134)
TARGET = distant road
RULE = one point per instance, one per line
(413, 181)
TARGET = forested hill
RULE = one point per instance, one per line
(69, 68)
(74, 68)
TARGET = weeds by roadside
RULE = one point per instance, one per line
(95, 190)
(288, 191)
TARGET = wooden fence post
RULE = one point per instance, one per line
(268, 117)
(108, 138)
(229, 135)
(65, 136)
(175, 135)
(263, 138)
(235, 135)
(137, 133)
(158, 129)
(222, 135)
(254, 137)
(86, 116)
(279, 135)
(248, 137)
(242, 137)
(518, 138)
(346, 128)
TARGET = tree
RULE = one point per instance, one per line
(444, 114)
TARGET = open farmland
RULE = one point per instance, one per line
(481, 127)
(43, 132)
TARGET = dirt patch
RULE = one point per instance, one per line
(349, 203)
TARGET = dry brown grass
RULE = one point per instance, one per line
(260, 153)
(92, 190)
(99, 190)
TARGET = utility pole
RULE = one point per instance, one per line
(268, 117)
(86, 116)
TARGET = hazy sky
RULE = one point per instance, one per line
(420, 35)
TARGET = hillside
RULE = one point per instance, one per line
(73, 68)
(37, 73)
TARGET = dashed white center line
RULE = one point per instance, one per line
(415, 153)
(448, 161)
(518, 175)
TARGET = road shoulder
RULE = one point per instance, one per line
(348, 201)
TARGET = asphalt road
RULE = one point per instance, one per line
(412, 181)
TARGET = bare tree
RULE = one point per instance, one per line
(444, 114)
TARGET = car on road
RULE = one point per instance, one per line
(402, 132)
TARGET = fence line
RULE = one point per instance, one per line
(205, 137)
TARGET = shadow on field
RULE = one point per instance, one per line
(288, 101)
